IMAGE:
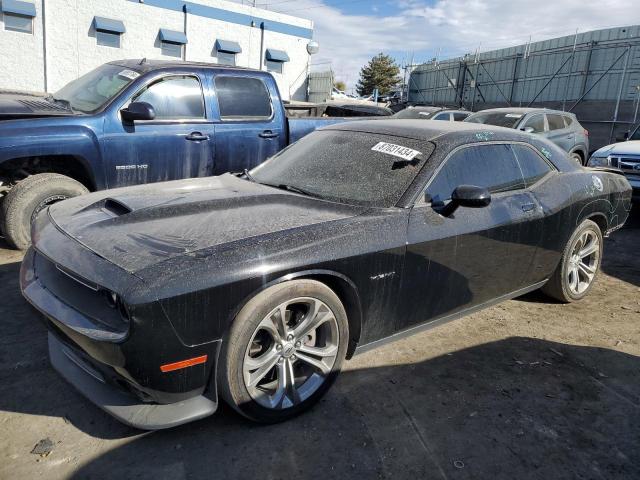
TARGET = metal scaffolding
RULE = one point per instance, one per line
(595, 74)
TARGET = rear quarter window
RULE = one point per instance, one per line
(242, 98)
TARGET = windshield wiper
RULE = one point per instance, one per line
(64, 102)
(249, 177)
(294, 189)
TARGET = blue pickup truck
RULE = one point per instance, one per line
(132, 122)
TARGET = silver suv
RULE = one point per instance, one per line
(432, 113)
(561, 128)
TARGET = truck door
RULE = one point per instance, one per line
(251, 127)
(177, 143)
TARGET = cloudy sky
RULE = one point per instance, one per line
(352, 31)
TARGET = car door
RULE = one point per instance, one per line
(250, 129)
(559, 133)
(177, 143)
(474, 255)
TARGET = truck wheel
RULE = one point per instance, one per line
(30, 196)
(580, 263)
(283, 351)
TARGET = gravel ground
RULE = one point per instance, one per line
(526, 389)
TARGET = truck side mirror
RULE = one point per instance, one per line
(138, 111)
(469, 196)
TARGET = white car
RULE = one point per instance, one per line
(623, 155)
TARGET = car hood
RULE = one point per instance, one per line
(138, 227)
(632, 147)
(15, 105)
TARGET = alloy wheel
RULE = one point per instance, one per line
(583, 263)
(291, 353)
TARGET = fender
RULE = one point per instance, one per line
(21, 139)
(347, 291)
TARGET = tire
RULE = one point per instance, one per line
(28, 198)
(254, 336)
(562, 284)
(576, 157)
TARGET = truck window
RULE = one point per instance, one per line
(174, 98)
(242, 98)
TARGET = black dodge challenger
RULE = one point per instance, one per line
(161, 299)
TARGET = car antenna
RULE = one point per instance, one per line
(143, 61)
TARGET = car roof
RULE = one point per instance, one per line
(523, 110)
(427, 131)
(143, 65)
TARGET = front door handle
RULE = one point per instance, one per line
(268, 134)
(527, 207)
(197, 137)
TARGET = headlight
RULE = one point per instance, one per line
(598, 162)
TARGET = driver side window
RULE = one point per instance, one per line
(536, 122)
(174, 98)
(491, 166)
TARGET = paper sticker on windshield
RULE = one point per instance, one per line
(513, 115)
(399, 151)
(426, 114)
(130, 74)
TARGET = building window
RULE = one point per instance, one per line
(172, 42)
(18, 23)
(275, 59)
(226, 51)
(226, 58)
(18, 15)
(171, 49)
(108, 39)
(273, 66)
(108, 31)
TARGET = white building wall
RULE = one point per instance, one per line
(72, 49)
(21, 57)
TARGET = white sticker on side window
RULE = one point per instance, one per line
(130, 74)
(399, 151)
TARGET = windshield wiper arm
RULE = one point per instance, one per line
(249, 177)
(294, 189)
(66, 103)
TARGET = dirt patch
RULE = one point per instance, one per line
(527, 389)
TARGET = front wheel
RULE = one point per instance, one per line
(28, 198)
(580, 263)
(283, 351)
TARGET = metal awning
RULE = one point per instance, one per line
(277, 55)
(108, 25)
(17, 7)
(173, 36)
(228, 46)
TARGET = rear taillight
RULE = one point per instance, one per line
(586, 133)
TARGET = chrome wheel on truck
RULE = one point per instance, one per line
(283, 350)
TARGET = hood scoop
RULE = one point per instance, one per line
(115, 208)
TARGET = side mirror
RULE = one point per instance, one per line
(528, 129)
(138, 111)
(467, 196)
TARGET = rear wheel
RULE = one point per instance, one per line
(576, 157)
(28, 198)
(283, 351)
(580, 263)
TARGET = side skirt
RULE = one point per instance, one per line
(447, 318)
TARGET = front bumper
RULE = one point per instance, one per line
(116, 368)
(123, 406)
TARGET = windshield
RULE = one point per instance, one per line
(415, 113)
(499, 119)
(93, 90)
(348, 167)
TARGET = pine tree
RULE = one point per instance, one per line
(381, 72)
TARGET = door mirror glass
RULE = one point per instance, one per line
(528, 129)
(138, 111)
